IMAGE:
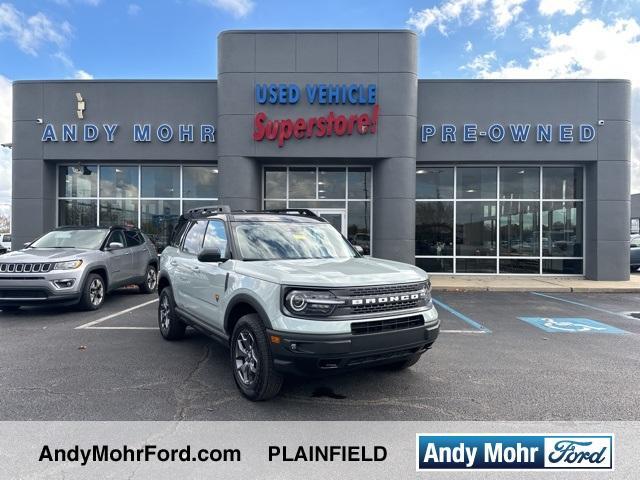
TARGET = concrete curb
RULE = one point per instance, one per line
(536, 288)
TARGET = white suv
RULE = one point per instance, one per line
(288, 294)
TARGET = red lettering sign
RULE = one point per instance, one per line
(326, 126)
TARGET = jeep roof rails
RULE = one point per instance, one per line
(207, 211)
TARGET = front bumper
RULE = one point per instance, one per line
(305, 354)
(39, 289)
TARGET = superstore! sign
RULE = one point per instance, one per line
(326, 125)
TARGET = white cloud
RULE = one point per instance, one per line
(500, 13)
(133, 9)
(237, 8)
(82, 75)
(31, 33)
(591, 49)
(460, 11)
(5, 137)
(481, 64)
(468, 47)
(505, 12)
(563, 7)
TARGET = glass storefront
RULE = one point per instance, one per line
(149, 197)
(341, 194)
(499, 219)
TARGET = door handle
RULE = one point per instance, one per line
(195, 267)
(174, 263)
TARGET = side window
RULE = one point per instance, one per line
(117, 236)
(216, 237)
(178, 230)
(7, 238)
(133, 238)
(193, 240)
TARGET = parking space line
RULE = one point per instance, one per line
(462, 316)
(463, 331)
(113, 315)
(120, 328)
(620, 314)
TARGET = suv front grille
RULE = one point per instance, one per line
(379, 299)
(393, 324)
(381, 289)
(25, 267)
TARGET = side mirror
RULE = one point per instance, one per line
(115, 246)
(210, 255)
(359, 249)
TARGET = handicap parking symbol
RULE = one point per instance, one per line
(570, 325)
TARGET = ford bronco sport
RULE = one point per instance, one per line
(289, 295)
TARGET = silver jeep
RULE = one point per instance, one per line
(77, 265)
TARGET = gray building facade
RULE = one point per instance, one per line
(457, 176)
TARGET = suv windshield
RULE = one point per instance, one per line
(89, 239)
(275, 241)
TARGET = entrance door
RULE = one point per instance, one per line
(335, 216)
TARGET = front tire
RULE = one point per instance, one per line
(150, 280)
(171, 327)
(251, 360)
(93, 293)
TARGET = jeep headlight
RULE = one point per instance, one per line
(70, 265)
(311, 302)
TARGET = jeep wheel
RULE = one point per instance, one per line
(171, 327)
(251, 360)
(404, 364)
(150, 280)
(93, 293)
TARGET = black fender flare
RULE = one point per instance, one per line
(245, 298)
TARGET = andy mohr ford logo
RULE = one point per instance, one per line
(455, 452)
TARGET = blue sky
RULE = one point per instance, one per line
(48, 39)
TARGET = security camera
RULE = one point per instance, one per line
(600, 122)
(39, 121)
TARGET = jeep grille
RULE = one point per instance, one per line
(25, 267)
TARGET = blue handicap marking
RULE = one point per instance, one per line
(571, 325)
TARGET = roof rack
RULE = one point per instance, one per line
(207, 211)
(299, 211)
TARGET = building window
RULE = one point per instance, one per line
(341, 194)
(499, 219)
(151, 197)
(635, 225)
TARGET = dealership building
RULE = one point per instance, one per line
(503, 177)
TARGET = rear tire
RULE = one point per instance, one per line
(150, 280)
(404, 364)
(171, 327)
(93, 293)
(251, 360)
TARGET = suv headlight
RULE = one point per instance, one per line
(311, 302)
(70, 265)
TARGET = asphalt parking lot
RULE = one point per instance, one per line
(500, 356)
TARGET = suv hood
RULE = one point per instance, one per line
(43, 255)
(337, 272)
